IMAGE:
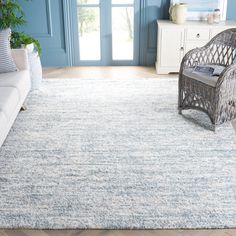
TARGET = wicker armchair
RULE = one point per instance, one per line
(217, 96)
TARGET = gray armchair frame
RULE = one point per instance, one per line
(218, 102)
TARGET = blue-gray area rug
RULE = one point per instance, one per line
(115, 154)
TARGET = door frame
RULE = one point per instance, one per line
(72, 36)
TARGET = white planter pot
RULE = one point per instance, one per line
(35, 67)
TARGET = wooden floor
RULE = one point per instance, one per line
(104, 72)
(229, 232)
(112, 72)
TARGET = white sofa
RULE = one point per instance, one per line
(14, 88)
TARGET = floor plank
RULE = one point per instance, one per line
(104, 72)
(226, 232)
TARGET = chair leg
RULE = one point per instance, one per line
(180, 111)
(214, 128)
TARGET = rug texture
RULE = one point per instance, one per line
(115, 154)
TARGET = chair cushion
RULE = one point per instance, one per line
(9, 99)
(6, 61)
(209, 80)
(19, 80)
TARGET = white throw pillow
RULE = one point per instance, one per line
(6, 61)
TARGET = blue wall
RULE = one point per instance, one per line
(231, 14)
(151, 10)
(49, 21)
(45, 21)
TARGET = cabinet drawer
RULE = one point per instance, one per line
(198, 34)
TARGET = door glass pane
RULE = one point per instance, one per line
(122, 1)
(122, 33)
(89, 33)
(88, 2)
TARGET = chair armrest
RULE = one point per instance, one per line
(229, 74)
(226, 91)
(20, 57)
(195, 57)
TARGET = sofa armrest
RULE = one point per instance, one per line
(20, 57)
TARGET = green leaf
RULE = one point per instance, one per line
(18, 39)
(12, 16)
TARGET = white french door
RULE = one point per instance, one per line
(108, 32)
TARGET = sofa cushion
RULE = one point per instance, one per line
(20, 57)
(19, 80)
(209, 80)
(6, 61)
(9, 99)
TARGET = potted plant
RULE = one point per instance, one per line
(12, 16)
(19, 39)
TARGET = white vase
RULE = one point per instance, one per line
(35, 67)
(178, 13)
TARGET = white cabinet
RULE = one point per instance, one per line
(174, 41)
(171, 59)
(191, 45)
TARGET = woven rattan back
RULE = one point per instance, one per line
(222, 48)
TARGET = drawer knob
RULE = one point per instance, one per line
(182, 48)
(198, 35)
